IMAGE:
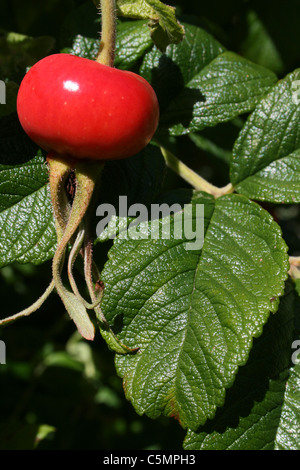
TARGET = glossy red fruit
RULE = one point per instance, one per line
(77, 107)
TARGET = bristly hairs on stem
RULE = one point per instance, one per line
(106, 54)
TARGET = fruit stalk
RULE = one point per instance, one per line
(191, 177)
(106, 54)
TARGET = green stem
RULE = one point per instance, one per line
(106, 54)
(192, 177)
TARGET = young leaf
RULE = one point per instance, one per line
(164, 27)
(193, 313)
(265, 160)
(262, 409)
(26, 219)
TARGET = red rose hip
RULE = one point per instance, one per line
(79, 108)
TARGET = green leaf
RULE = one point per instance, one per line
(262, 409)
(26, 219)
(193, 313)
(133, 40)
(164, 27)
(227, 87)
(83, 47)
(18, 51)
(259, 46)
(208, 146)
(265, 160)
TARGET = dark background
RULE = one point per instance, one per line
(50, 376)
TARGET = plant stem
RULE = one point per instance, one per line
(106, 54)
(294, 271)
(294, 260)
(35, 306)
(192, 177)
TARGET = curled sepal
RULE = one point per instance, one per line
(59, 171)
(77, 246)
(86, 178)
(78, 314)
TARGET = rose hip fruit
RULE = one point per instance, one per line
(79, 108)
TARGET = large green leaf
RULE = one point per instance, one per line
(193, 313)
(259, 45)
(26, 219)
(262, 409)
(265, 161)
(227, 87)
